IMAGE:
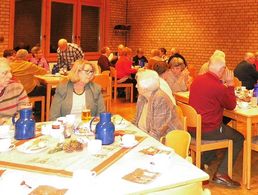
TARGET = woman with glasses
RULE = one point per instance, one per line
(78, 93)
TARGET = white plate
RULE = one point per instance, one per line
(29, 149)
(129, 146)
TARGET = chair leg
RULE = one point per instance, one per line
(244, 164)
(115, 93)
(131, 94)
(43, 109)
(230, 158)
(193, 156)
(198, 159)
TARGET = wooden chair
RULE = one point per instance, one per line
(179, 140)
(193, 119)
(254, 146)
(41, 99)
(116, 84)
(181, 116)
(107, 72)
(105, 82)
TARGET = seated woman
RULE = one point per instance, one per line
(155, 113)
(177, 76)
(125, 72)
(78, 92)
(38, 59)
(103, 60)
(161, 67)
(12, 93)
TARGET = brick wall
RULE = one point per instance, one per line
(117, 16)
(4, 24)
(195, 27)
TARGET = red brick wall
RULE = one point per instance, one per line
(117, 16)
(196, 28)
(4, 24)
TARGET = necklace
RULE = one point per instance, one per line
(78, 92)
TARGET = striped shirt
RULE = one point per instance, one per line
(11, 97)
(70, 55)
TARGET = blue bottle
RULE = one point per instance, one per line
(255, 90)
(25, 125)
(105, 129)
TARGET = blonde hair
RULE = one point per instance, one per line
(78, 66)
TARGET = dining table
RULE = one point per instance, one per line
(110, 171)
(50, 81)
(247, 116)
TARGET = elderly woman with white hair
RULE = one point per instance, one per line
(12, 93)
(79, 92)
(155, 114)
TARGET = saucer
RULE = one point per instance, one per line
(11, 147)
(129, 146)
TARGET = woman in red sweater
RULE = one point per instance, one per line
(125, 72)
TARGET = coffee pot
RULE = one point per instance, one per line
(25, 125)
(105, 129)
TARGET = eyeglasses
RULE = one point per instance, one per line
(89, 72)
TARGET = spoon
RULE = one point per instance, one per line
(24, 183)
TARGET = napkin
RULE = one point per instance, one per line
(141, 176)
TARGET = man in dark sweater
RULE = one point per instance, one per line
(209, 96)
(246, 71)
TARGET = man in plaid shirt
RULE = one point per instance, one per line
(68, 53)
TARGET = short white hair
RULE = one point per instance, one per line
(217, 61)
(148, 79)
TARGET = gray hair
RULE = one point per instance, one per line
(148, 79)
(217, 61)
(22, 54)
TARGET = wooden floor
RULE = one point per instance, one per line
(127, 110)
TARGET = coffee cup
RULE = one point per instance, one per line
(94, 146)
(243, 105)
(4, 131)
(70, 118)
(128, 140)
(6, 144)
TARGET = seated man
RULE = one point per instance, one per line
(209, 96)
(12, 93)
(155, 113)
(25, 71)
(246, 71)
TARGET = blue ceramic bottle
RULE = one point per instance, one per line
(105, 129)
(256, 90)
(25, 125)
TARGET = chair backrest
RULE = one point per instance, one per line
(104, 81)
(181, 116)
(107, 72)
(179, 140)
(193, 119)
(113, 74)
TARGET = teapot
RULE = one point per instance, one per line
(105, 129)
(25, 125)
